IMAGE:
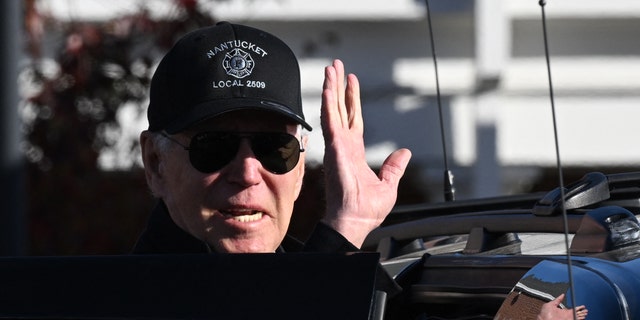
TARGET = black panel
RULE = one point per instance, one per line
(232, 286)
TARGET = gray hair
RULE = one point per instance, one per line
(161, 143)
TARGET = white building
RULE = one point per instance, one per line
(493, 78)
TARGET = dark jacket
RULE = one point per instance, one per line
(163, 236)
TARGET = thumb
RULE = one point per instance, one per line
(557, 301)
(394, 166)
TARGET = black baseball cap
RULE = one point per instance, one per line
(223, 68)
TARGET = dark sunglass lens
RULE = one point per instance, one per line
(277, 152)
(211, 151)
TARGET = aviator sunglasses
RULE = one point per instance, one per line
(278, 152)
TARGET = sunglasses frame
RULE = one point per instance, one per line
(240, 135)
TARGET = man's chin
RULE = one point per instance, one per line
(246, 246)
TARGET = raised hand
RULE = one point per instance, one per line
(358, 199)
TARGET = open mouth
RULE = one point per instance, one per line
(242, 215)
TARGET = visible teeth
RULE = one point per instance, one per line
(246, 217)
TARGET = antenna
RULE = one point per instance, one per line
(559, 165)
(449, 190)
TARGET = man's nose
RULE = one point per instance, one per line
(245, 169)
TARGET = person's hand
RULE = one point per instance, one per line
(551, 311)
(358, 199)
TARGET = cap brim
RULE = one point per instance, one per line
(208, 110)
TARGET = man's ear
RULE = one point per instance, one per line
(151, 160)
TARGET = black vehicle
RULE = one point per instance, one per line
(504, 257)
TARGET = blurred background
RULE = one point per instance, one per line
(75, 76)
